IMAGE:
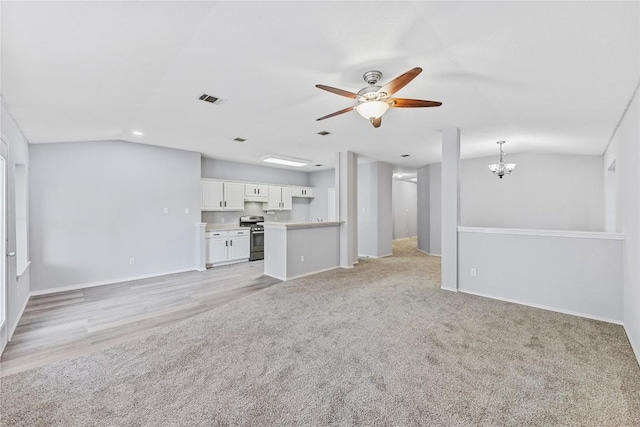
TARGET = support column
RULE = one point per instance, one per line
(346, 187)
(450, 209)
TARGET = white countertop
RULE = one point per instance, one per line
(269, 224)
(223, 227)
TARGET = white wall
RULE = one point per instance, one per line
(322, 181)
(435, 195)
(375, 225)
(548, 192)
(95, 205)
(17, 290)
(624, 150)
(577, 273)
(428, 209)
(405, 209)
(222, 169)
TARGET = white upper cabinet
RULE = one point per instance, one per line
(221, 196)
(256, 192)
(303, 192)
(279, 198)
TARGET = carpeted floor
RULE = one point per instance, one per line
(379, 344)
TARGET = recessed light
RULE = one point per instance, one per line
(282, 160)
(324, 133)
(238, 139)
(404, 155)
(137, 133)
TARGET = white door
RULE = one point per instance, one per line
(217, 250)
(287, 201)
(3, 239)
(233, 196)
(211, 195)
(275, 198)
(239, 247)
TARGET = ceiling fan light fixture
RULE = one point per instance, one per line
(372, 109)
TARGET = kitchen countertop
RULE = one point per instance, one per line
(223, 227)
(307, 224)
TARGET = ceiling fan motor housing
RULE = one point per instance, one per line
(372, 77)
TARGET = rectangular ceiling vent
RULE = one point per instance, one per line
(212, 99)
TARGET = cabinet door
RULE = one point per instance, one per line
(286, 199)
(211, 195)
(239, 247)
(309, 192)
(217, 250)
(251, 190)
(233, 196)
(263, 190)
(275, 198)
(297, 192)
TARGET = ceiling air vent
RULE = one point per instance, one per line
(238, 139)
(404, 155)
(212, 99)
(323, 133)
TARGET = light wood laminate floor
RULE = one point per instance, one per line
(66, 324)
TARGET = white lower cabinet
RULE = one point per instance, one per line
(227, 246)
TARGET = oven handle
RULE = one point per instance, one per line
(257, 232)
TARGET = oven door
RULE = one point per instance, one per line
(257, 245)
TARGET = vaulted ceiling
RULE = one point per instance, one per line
(551, 77)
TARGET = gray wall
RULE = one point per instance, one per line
(549, 192)
(423, 212)
(375, 217)
(625, 151)
(17, 290)
(435, 196)
(322, 181)
(232, 171)
(95, 205)
(405, 209)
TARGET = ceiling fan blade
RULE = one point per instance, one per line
(346, 110)
(399, 82)
(412, 103)
(376, 122)
(337, 91)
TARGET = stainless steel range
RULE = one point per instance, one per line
(257, 235)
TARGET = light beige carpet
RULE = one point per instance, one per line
(379, 344)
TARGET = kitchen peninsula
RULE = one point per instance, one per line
(297, 249)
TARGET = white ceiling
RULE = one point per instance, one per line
(549, 77)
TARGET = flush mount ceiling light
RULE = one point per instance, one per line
(287, 161)
(501, 168)
(137, 133)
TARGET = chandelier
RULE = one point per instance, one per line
(501, 168)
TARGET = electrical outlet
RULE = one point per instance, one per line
(132, 261)
(166, 210)
(186, 211)
(474, 273)
(269, 257)
(221, 219)
(302, 258)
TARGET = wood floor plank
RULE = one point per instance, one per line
(66, 324)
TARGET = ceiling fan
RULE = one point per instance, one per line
(374, 100)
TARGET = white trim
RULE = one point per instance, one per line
(634, 347)
(427, 253)
(373, 256)
(220, 264)
(303, 275)
(268, 224)
(24, 270)
(4, 339)
(103, 282)
(545, 307)
(448, 289)
(18, 317)
(544, 233)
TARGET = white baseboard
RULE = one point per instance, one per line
(546, 307)
(448, 289)
(373, 256)
(427, 253)
(634, 346)
(103, 282)
(18, 317)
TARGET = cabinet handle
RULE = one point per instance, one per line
(254, 191)
(220, 203)
(225, 203)
(230, 242)
(226, 243)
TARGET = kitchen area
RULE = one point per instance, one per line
(246, 221)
